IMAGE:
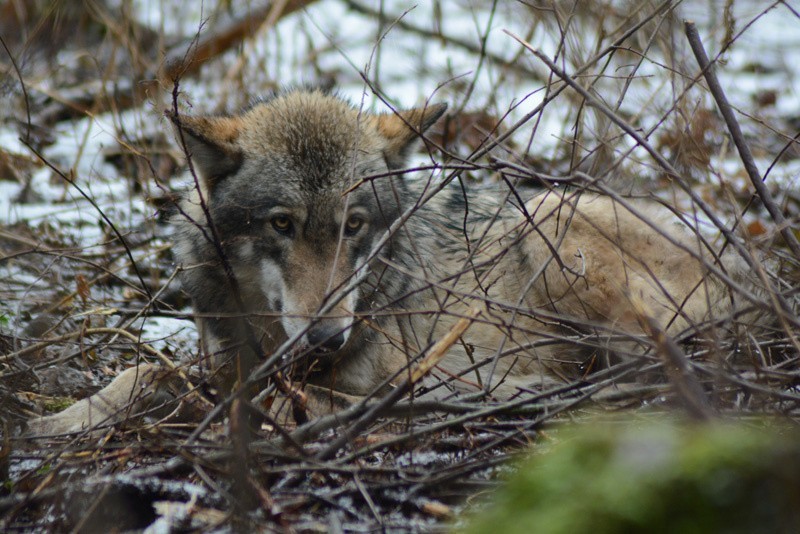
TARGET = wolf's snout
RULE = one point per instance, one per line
(326, 337)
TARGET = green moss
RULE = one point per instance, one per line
(44, 469)
(609, 477)
(57, 404)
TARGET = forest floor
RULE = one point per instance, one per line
(89, 286)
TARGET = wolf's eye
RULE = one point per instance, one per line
(282, 224)
(353, 225)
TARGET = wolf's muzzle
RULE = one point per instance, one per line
(326, 338)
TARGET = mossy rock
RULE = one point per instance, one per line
(653, 477)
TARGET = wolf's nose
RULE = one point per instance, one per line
(326, 337)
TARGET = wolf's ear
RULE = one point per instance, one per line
(211, 143)
(402, 128)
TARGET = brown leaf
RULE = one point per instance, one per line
(756, 228)
(83, 288)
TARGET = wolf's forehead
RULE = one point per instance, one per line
(293, 181)
(311, 140)
(305, 122)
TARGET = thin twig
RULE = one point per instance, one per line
(666, 166)
(784, 227)
(434, 356)
(28, 125)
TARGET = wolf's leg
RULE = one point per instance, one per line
(134, 391)
(318, 401)
(232, 338)
(229, 356)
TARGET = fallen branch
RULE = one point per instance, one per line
(187, 58)
(181, 59)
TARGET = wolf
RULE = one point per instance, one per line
(305, 244)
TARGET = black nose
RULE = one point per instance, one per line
(326, 337)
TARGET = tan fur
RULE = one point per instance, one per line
(400, 128)
(136, 390)
(607, 257)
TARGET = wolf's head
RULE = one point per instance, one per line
(283, 184)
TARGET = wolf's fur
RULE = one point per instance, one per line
(296, 195)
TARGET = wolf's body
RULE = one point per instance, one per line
(308, 240)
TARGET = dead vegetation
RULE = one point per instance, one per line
(601, 95)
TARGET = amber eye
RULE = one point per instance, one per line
(282, 224)
(353, 225)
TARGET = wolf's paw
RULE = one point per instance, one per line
(313, 401)
(133, 392)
